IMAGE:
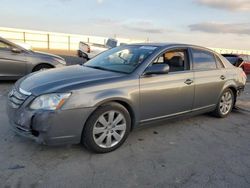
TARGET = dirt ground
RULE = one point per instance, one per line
(201, 151)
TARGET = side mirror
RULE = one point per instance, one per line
(16, 50)
(157, 69)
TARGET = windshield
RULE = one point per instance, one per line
(123, 59)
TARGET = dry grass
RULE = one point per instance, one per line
(58, 52)
(70, 56)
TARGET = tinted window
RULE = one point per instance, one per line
(111, 43)
(232, 60)
(177, 60)
(203, 60)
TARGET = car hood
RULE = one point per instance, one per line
(63, 79)
(43, 54)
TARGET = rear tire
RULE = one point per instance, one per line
(107, 128)
(225, 104)
(42, 67)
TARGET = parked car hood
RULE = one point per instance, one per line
(63, 79)
(43, 54)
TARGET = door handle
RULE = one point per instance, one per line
(188, 81)
(222, 77)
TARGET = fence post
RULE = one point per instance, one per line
(48, 41)
(88, 39)
(69, 43)
(24, 37)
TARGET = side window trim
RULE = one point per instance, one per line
(220, 61)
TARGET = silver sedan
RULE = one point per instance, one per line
(16, 61)
(100, 102)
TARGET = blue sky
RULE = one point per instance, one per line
(215, 23)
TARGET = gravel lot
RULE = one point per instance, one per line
(201, 151)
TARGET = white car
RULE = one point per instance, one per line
(89, 50)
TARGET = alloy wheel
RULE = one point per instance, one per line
(109, 129)
(226, 103)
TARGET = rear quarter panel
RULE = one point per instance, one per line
(234, 79)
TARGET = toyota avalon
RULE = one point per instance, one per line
(99, 103)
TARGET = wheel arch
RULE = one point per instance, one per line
(234, 90)
(42, 63)
(232, 86)
(126, 104)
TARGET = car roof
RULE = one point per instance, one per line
(171, 45)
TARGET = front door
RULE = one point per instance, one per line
(168, 94)
(12, 64)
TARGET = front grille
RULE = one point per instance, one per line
(16, 99)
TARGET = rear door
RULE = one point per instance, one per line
(12, 64)
(164, 95)
(210, 77)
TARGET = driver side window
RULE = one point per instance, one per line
(176, 59)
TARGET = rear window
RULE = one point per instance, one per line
(232, 60)
(203, 60)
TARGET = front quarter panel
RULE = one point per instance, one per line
(122, 90)
(33, 60)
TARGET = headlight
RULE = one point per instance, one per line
(52, 101)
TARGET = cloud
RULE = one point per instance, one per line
(105, 22)
(213, 27)
(232, 5)
(99, 1)
(64, 1)
(143, 26)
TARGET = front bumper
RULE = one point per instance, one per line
(49, 127)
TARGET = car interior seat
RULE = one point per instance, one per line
(176, 63)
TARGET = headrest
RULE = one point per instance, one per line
(176, 61)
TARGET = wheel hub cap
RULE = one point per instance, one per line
(226, 103)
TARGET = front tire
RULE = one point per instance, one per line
(225, 104)
(107, 128)
(42, 67)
